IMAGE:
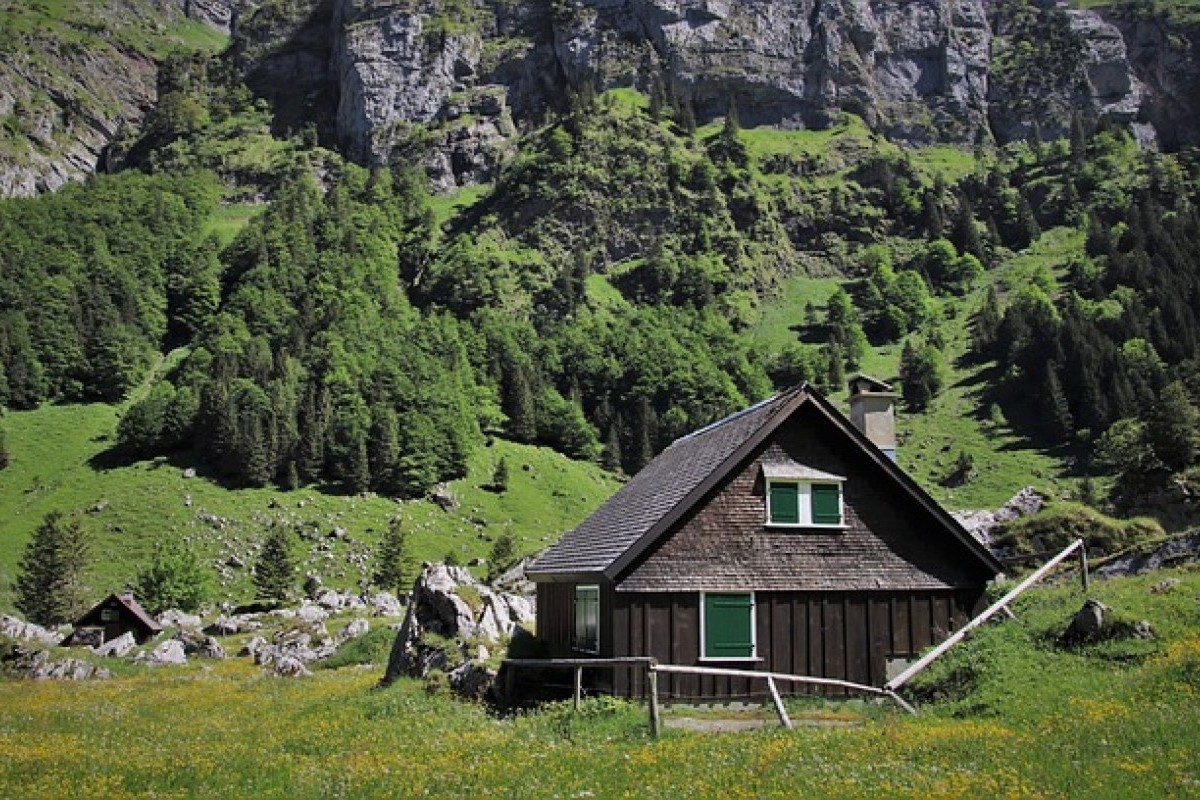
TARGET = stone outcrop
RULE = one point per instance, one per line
(1175, 551)
(981, 524)
(24, 662)
(449, 603)
(15, 628)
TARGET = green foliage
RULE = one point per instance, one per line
(922, 373)
(50, 584)
(1061, 523)
(395, 567)
(85, 289)
(372, 648)
(174, 578)
(275, 570)
(499, 482)
(503, 555)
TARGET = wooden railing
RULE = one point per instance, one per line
(653, 667)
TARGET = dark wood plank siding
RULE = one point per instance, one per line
(843, 635)
(556, 614)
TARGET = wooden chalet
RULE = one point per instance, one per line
(114, 616)
(779, 539)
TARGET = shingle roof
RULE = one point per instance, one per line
(632, 519)
(658, 489)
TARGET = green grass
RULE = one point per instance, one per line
(58, 464)
(1020, 717)
(447, 206)
(230, 219)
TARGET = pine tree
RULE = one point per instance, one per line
(275, 570)
(503, 555)
(500, 476)
(1172, 426)
(394, 563)
(1057, 423)
(50, 588)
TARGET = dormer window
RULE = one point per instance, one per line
(800, 496)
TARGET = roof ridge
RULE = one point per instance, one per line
(736, 415)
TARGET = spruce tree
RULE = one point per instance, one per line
(503, 555)
(500, 476)
(1171, 428)
(394, 564)
(275, 570)
(50, 588)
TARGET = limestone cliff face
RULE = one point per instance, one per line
(449, 82)
(63, 100)
(919, 71)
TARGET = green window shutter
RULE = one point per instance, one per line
(785, 503)
(728, 625)
(826, 504)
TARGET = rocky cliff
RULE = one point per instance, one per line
(963, 71)
(449, 82)
(72, 83)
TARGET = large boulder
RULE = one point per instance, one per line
(118, 647)
(1096, 622)
(450, 603)
(174, 618)
(168, 654)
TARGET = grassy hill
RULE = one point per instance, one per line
(60, 462)
(1010, 713)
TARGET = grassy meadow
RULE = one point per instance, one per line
(1010, 713)
(62, 460)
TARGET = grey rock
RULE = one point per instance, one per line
(385, 604)
(472, 680)
(15, 628)
(38, 665)
(174, 618)
(167, 654)
(253, 646)
(1165, 586)
(311, 613)
(291, 667)
(354, 629)
(1174, 551)
(118, 647)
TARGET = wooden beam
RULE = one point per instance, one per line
(780, 676)
(937, 652)
(655, 720)
(784, 719)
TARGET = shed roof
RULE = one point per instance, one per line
(645, 508)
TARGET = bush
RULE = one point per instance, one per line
(1062, 523)
(174, 578)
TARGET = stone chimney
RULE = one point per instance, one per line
(873, 411)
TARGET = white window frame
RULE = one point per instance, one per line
(804, 504)
(586, 589)
(753, 657)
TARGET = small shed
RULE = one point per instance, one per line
(783, 538)
(114, 616)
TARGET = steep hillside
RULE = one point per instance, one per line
(75, 76)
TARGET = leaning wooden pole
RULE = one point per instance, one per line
(652, 680)
(936, 653)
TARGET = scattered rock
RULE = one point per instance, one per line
(311, 613)
(252, 647)
(1164, 586)
(168, 654)
(354, 629)
(197, 644)
(1096, 622)
(118, 647)
(15, 628)
(24, 662)
(174, 618)
(472, 680)
(291, 667)
(385, 604)
(981, 524)
(1174, 551)
(190, 472)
